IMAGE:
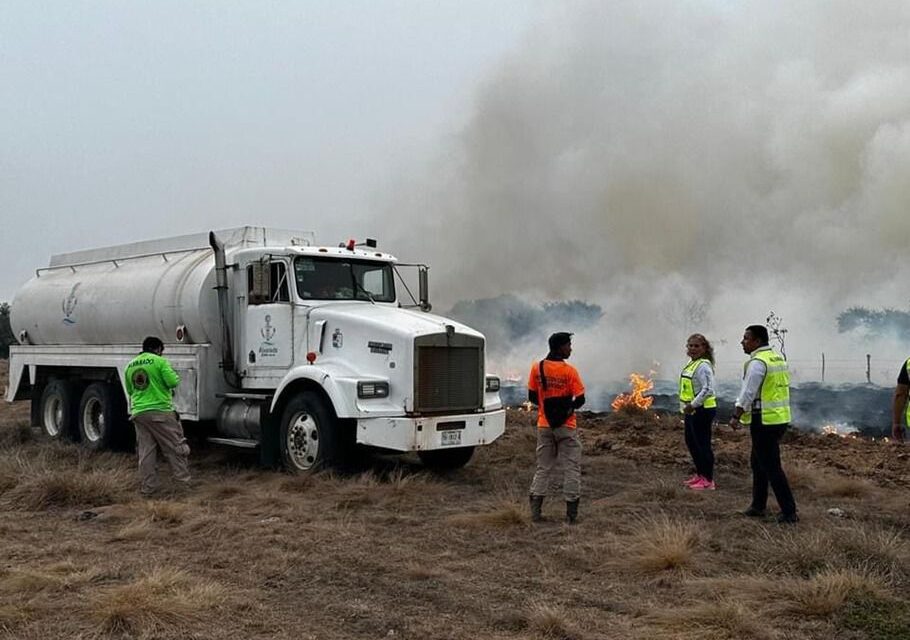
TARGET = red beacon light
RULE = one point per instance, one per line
(351, 244)
(311, 357)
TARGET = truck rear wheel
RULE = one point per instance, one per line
(309, 439)
(101, 417)
(446, 459)
(58, 409)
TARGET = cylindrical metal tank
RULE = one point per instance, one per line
(121, 301)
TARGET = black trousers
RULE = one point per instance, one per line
(766, 468)
(698, 439)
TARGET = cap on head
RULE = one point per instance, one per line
(559, 339)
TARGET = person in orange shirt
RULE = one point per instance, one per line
(556, 388)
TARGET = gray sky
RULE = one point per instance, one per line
(653, 157)
(122, 121)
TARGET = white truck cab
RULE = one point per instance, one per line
(299, 350)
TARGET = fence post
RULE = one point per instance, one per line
(869, 368)
(823, 366)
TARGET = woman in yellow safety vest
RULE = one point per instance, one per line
(698, 405)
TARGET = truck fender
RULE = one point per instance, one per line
(322, 378)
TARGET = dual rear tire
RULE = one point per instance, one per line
(94, 415)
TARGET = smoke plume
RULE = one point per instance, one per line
(685, 166)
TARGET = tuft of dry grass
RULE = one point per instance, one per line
(12, 615)
(66, 489)
(16, 436)
(162, 603)
(836, 486)
(661, 543)
(826, 484)
(415, 570)
(722, 619)
(165, 512)
(881, 551)
(549, 622)
(807, 552)
(802, 475)
(663, 491)
(61, 575)
(828, 592)
(502, 514)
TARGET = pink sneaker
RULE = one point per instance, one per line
(692, 480)
(703, 485)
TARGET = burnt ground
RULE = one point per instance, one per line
(392, 551)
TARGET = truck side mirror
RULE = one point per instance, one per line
(424, 288)
(260, 282)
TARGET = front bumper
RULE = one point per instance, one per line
(432, 432)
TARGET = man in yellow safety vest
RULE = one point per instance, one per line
(764, 405)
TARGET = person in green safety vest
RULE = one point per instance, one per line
(150, 383)
(764, 405)
(901, 409)
(698, 405)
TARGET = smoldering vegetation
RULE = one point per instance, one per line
(512, 324)
(392, 550)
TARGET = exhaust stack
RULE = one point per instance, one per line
(227, 350)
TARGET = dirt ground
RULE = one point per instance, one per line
(396, 552)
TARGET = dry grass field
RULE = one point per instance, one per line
(395, 552)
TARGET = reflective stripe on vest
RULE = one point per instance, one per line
(687, 391)
(774, 395)
(907, 367)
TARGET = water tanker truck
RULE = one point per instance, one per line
(297, 350)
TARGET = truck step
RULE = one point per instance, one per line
(235, 442)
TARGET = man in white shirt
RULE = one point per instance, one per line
(764, 405)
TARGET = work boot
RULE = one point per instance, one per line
(571, 511)
(536, 506)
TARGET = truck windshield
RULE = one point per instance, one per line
(343, 279)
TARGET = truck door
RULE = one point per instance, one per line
(268, 340)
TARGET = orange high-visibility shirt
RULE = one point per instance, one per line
(562, 380)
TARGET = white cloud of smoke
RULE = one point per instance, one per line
(686, 166)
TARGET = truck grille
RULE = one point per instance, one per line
(448, 373)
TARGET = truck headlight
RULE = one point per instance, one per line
(372, 389)
(492, 384)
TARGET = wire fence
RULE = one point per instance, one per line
(868, 368)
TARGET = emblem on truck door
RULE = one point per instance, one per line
(337, 339)
(267, 349)
(268, 331)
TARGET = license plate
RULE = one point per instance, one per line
(451, 438)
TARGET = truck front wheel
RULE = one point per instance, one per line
(446, 459)
(309, 439)
(101, 417)
(58, 409)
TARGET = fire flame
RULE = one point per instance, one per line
(640, 385)
(839, 430)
